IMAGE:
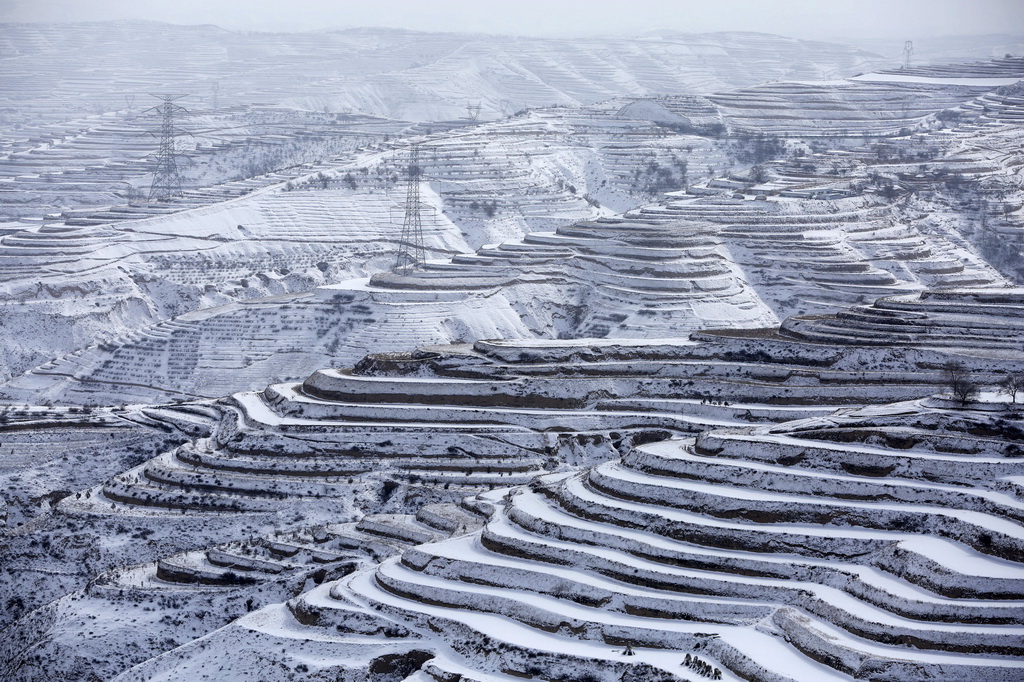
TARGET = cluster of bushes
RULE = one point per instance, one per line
(654, 178)
(489, 208)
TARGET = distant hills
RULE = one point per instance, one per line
(90, 67)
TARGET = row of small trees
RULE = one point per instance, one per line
(965, 387)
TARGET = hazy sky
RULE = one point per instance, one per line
(826, 19)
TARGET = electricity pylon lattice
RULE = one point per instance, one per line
(908, 51)
(411, 251)
(166, 177)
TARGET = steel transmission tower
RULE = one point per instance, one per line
(908, 50)
(166, 178)
(411, 252)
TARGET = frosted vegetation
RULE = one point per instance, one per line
(712, 368)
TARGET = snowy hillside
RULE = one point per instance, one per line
(78, 130)
(814, 235)
(384, 72)
(767, 548)
(487, 183)
(466, 358)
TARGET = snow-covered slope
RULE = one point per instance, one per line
(98, 169)
(502, 400)
(850, 108)
(487, 183)
(819, 242)
(883, 542)
(688, 264)
(271, 501)
(399, 74)
(532, 504)
(79, 133)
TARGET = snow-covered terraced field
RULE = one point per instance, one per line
(933, 318)
(813, 550)
(837, 109)
(668, 269)
(856, 541)
(77, 137)
(1005, 69)
(326, 551)
(511, 190)
(495, 181)
(632, 420)
(447, 420)
(98, 169)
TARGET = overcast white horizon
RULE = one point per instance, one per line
(808, 19)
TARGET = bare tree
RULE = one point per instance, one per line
(1012, 384)
(758, 174)
(960, 381)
